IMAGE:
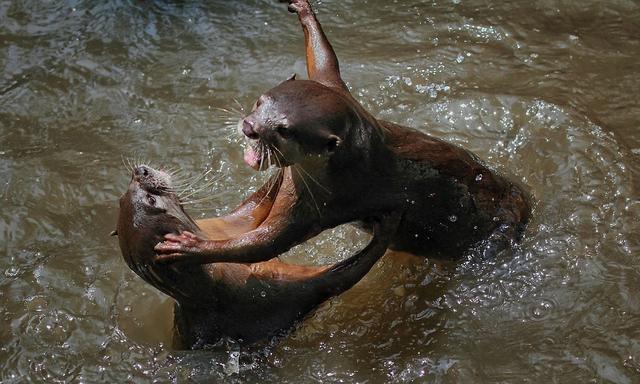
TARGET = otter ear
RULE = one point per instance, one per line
(334, 143)
(292, 77)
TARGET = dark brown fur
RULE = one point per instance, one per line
(339, 164)
(246, 302)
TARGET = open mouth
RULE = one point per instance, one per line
(253, 154)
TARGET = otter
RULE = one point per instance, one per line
(338, 164)
(242, 301)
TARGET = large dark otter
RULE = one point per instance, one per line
(339, 164)
(246, 302)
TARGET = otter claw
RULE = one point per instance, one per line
(183, 237)
(176, 246)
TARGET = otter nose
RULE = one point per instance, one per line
(141, 171)
(247, 129)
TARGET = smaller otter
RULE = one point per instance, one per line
(246, 302)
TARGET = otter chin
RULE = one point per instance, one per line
(243, 301)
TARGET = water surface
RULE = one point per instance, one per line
(546, 91)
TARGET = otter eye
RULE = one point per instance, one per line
(334, 142)
(283, 131)
(151, 199)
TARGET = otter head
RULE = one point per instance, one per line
(149, 209)
(295, 122)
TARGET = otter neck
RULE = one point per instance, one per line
(310, 178)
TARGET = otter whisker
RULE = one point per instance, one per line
(201, 200)
(191, 198)
(312, 178)
(129, 164)
(133, 163)
(231, 115)
(199, 177)
(231, 112)
(274, 177)
(196, 209)
(124, 163)
(196, 201)
(262, 154)
(269, 156)
(187, 194)
(136, 161)
(313, 198)
(173, 170)
(240, 106)
(199, 189)
(280, 152)
(194, 192)
(302, 177)
(228, 111)
(265, 154)
(272, 181)
(181, 179)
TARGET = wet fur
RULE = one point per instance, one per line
(339, 165)
(246, 302)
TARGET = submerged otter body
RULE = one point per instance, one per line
(246, 302)
(338, 164)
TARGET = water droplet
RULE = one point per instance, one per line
(453, 218)
(542, 309)
(233, 364)
(263, 294)
(460, 59)
(12, 271)
(479, 177)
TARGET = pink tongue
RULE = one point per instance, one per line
(251, 158)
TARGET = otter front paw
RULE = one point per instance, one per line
(298, 6)
(176, 248)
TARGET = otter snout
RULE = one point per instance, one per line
(141, 170)
(151, 179)
(248, 129)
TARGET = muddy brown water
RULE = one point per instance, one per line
(545, 90)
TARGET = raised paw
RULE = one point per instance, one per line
(298, 6)
(176, 247)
